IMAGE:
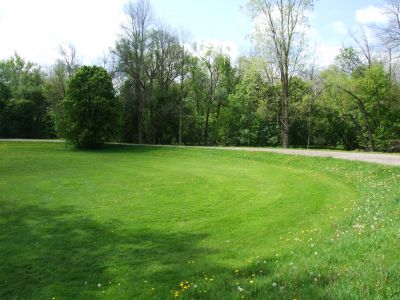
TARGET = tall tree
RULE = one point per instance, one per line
(245, 113)
(364, 45)
(196, 84)
(317, 87)
(69, 58)
(163, 67)
(390, 32)
(183, 39)
(280, 37)
(215, 63)
(130, 50)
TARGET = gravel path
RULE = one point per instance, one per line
(380, 158)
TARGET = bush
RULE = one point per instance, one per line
(90, 109)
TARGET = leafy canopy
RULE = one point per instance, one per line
(91, 110)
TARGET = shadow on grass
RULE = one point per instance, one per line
(55, 252)
(119, 148)
(60, 253)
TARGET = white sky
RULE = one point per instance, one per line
(35, 28)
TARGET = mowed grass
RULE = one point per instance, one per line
(164, 223)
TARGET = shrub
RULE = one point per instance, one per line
(90, 109)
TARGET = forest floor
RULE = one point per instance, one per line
(373, 157)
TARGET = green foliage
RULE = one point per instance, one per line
(56, 88)
(348, 60)
(91, 110)
(23, 105)
(243, 116)
(367, 103)
(169, 95)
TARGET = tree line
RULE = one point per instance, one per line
(167, 93)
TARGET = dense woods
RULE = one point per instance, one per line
(172, 92)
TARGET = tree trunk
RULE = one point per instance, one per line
(139, 113)
(180, 110)
(285, 115)
(205, 137)
(139, 127)
(309, 125)
(365, 115)
(180, 120)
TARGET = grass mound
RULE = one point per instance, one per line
(158, 223)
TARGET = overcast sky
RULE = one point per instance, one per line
(35, 28)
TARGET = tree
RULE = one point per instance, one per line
(162, 68)
(348, 61)
(56, 88)
(362, 97)
(390, 32)
(68, 58)
(130, 50)
(23, 105)
(280, 37)
(364, 45)
(244, 113)
(197, 97)
(90, 108)
(215, 64)
(56, 83)
(184, 37)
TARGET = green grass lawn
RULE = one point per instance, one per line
(163, 223)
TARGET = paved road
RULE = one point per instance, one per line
(380, 158)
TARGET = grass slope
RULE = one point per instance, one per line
(159, 223)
